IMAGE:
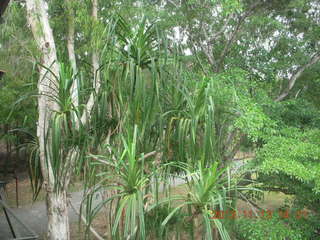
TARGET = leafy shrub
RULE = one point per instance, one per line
(308, 226)
(266, 229)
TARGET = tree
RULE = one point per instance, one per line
(58, 226)
(60, 124)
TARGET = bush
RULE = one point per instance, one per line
(266, 229)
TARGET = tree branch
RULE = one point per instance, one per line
(96, 70)
(241, 20)
(222, 30)
(71, 52)
(314, 59)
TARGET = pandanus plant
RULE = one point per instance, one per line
(207, 189)
(125, 177)
(66, 138)
(122, 169)
(189, 126)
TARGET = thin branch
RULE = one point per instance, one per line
(253, 204)
(242, 158)
(275, 189)
(241, 20)
(230, 138)
(235, 149)
(299, 91)
(208, 50)
(150, 154)
(314, 59)
(222, 30)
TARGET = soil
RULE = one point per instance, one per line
(18, 195)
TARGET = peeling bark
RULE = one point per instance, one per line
(95, 64)
(58, 221)
(58, 225)
(71, 51)
(38, 20)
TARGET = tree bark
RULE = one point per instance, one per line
(71, 51)
(95, 57)
(3, 5)
(95, 65)
(58, 224)
(58, 221)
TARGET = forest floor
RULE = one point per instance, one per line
(34, 213)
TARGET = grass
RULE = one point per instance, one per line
(273, 200)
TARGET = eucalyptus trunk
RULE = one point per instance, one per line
(95, 65)
(95, 57)
(58, 224)
(58, 221)
(71, 51)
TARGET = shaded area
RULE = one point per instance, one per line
(3, 6)
(15, 226)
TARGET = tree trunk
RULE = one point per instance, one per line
(95, 64)
(58, 225)
(95, 57)
(58, 221)
(71, 51)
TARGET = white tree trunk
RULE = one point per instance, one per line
(58, 225)
(95, 64)
(58, 221)
(95, 57)
(57, 210)
(71, 51)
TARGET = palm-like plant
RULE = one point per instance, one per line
(187, 126)
(208, 189)
(138, 48)
(139, 44)
(66, 136)
(127, 179)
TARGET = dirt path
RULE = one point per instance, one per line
(36, 218)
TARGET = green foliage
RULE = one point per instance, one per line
(289, 163)
(308, 226)
(188, 114)
(266, 229)
(158, 214)
(128, 179)
(18, 110)
(207, 189)
(300, 114)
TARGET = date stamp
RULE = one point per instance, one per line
(263, 214)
